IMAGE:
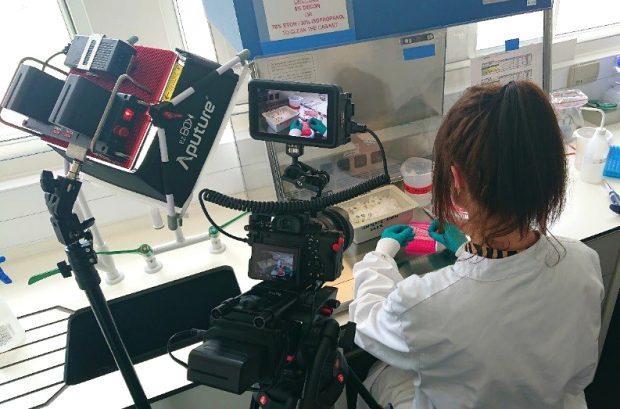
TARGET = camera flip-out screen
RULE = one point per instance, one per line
(294, 113)
(273, 263)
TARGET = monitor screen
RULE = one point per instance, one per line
(273, 263)
(299, 115)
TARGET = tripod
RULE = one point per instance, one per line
(306, 371)
(60, 196)
(322, 383)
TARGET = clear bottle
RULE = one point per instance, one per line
(11, 332)
(595, 156)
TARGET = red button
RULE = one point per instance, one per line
(290, 358)
(121, 131)
(340, 378)
(128, 114)
(326, 311)
(336, 247)
(263, 400)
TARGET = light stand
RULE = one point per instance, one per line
(60, 196)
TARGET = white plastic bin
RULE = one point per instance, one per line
(371, 213)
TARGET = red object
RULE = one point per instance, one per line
(121, 131)
(263, 400)
(338, 245)
(340, 378)
(326, 311)
(305, 129)
(290, 358)
(418, 190)
(422, 242)
(172, 115)
(128, 114)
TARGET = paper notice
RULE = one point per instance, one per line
(524, 63)
(299, 18)
(295, 67)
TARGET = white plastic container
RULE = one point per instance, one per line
(369, 214)
(582, 137)
(294, 101)
(417, 179)
(595, 156)
(280, 118)
(11, 332)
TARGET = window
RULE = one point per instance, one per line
(576, 15)
(28, 28)
(195, 28)
(525, 27)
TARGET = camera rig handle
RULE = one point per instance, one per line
(304, 176)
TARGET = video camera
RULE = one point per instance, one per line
(279, 339)
(298, 250)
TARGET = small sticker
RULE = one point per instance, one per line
(6, 334)
(172, 82)
(422, 51)
(512, 44)
(531, 3)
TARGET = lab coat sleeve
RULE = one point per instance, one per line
(375, 308)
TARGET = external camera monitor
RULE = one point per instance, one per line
(273, 263)
(296, 113)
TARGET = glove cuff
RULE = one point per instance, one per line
(460, 250)
(295, 132)
(388, 246)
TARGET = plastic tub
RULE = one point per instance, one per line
(369, 214)
(417, 179)
(294, 101)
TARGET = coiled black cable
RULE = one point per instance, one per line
(291, 207)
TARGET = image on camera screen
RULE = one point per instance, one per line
(293, 113)
(270, 263)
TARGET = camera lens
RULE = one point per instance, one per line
(335, 218)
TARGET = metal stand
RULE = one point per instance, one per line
(304, 176)
(61, 194)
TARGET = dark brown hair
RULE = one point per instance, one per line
(507, 143)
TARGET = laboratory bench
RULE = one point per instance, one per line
(586, 217)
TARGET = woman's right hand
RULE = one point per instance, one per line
(451, 237)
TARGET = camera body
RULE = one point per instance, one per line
(299, 113)
(298, 249)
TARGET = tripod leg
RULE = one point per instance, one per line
(116, 345)
(358, 386)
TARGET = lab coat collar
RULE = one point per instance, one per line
(486, 269)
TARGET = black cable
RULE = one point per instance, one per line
(217, 227)
(291, 207)
(374, 135)
(191, 332)
(47, 62)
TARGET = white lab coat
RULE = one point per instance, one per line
(518, 332)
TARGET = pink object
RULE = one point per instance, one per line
(422, 242)
(305, 129)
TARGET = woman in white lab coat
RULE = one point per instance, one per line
(514, 323)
